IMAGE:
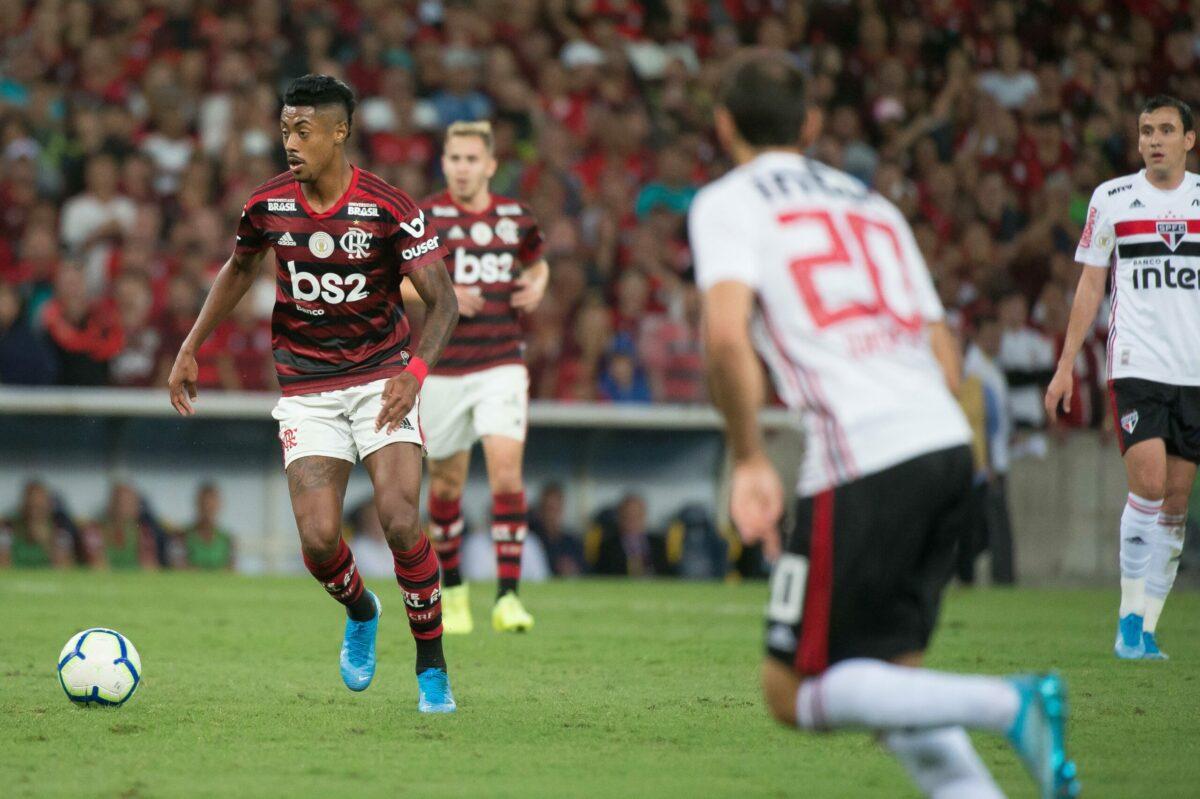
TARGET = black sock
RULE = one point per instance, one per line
(505, 585)
(363, 608)
(429, 654)
(451, 577)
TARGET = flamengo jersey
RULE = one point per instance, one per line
(487, 251)
(843, 300)
(1152, 238)
(338, 318)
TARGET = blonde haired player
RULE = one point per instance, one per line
(479, 390)
(1145, 230)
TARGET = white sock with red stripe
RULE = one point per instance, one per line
(1139, 527)
(943, 763)
(1165, 549)
(876, 695)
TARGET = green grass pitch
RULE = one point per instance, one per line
(623, 689)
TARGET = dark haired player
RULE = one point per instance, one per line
(824, 277)
(344, 239)
(1146, 227)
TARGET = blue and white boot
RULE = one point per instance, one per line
(434, 685)
(1038, 734)
(358, 650)
(1150, 648)
(1130, 643)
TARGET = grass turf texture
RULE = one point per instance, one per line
(623, 689)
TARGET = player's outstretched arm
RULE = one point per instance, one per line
(432, 283)
(1088, 295)
(233, 281)
(736, 383)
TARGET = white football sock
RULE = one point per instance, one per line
(1166, 547)
(943, 763)
(875, 695)
(1139, 527)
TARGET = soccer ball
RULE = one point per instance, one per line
(99, 667)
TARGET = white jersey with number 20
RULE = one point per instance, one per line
(844, 297)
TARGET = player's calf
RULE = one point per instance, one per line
(335, 570)
(417, 574)
(446, 530)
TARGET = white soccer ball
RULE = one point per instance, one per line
(99, 667)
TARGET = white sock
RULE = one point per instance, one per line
(1139, 528)
(943, 763)
(1166, 547)
(875, 695)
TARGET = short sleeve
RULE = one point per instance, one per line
(250, 237)
(722, 240)
(416, 243)
(1096, 243)
(532, 244)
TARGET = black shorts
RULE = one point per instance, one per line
(1144, 409)
(864, 568)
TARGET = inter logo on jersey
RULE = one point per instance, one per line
(1172, 232)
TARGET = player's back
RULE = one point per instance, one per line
(844, 298)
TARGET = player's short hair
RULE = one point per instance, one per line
(764, 93)
(1167, 101)
(321, 90)
(481, 128)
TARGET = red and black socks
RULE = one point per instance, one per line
(446, 529)
(341, 579)
(508, 537)
(417, 573)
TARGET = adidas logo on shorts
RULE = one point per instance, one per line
(405, 424)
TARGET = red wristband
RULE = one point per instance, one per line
(418, 369)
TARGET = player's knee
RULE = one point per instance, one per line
(779, 685)
(400, 525)
(444, 486)
(507, 481)
(318, 537)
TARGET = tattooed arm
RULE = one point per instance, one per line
(432, 283)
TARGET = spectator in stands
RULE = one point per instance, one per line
(623, 378)
(563, 545)
(208, 545)
(621, 544)
(1010, 83)
(695, 546)
(673, 187)
(85, 334)
(36, 536)
(93, 221)
(243, 351)
(1027, 357)
(26, 358)
(137, 362)
(128, 536)
(980, 362)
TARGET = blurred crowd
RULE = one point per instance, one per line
(42, 532)
(132, 131)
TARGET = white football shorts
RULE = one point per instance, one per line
(340, 424)
(459, 410)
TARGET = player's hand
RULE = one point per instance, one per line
(182, 382)
(399, 396)
(530, 290)
(756, 504)
(1060, 388)
(470, 300)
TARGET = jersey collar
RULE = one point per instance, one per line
(337, 206)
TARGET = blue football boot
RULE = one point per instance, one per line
(1038, 735)
(358, 650)
(434, 685)
(1130, 644)
(1150, 645)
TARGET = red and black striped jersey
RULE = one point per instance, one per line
(338, 319)
(487, 251)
